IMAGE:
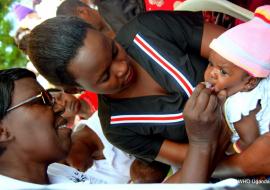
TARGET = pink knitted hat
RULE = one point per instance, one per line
(248, 45)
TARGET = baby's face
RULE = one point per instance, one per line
(224, 75)
(71, 104)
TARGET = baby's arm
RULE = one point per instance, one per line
(247, 129)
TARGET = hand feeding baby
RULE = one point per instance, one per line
(209, 85)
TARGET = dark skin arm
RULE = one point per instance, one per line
(171, 152)
(244, 164)
(210, 32)
(254, 160)
(247, 129)
(207, 133)
(251, 162)
(238, 165)
(86, 147)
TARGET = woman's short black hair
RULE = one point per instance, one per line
(7, 79)
(53, 44)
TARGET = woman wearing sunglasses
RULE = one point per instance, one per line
(32, 132)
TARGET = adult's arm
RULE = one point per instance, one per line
(82, 150)
(175, 153)
(253, 161)
(172, 153)
(207, 133)
(210, 32)
(186, 30)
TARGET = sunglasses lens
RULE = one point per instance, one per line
(73, 90)
(47, 97)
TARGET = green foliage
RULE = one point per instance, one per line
(10, 55)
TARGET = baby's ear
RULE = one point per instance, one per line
(251, 83)
(5, 135)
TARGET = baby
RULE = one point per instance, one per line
(240, 64)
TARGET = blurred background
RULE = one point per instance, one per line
(10, 55)
(16, 18)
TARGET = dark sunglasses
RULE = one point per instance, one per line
(74, 90)
(45, 97)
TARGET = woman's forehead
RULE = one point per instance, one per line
(96, 41)
(26, 87)
(91, 57)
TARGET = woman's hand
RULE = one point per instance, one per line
(203, 116)
(207, 132)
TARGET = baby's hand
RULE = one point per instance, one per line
(80, 155)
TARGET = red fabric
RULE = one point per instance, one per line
(168, 5)
(90, 98)
(252, 5)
